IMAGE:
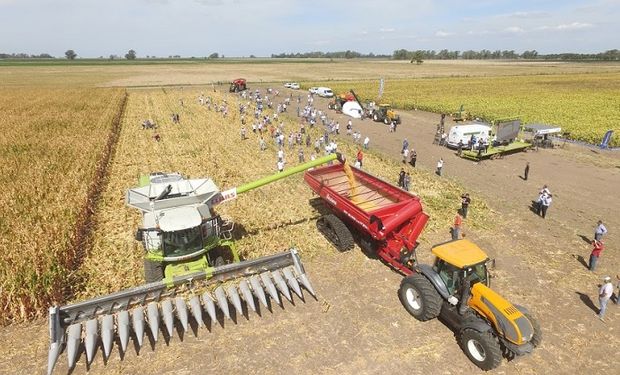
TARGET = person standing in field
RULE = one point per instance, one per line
(604, 294)
(401, 178)
(407, 181)
(465, 201)
(456, 228)
(439, 167)
(526, 172)
(405, 155)
(600, 231)
(597, 249)
(360, 157)
(280, 165)
(545, 203)
(405, 145)
(459, 148)
(414, 157)
(366, 142)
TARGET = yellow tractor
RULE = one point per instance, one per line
(386, 114)
(456, 288)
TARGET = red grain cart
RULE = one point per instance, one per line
(385, 219)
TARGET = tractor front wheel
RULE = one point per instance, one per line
(153, 271)
(375, 118)
(482, 348)
(419, 297)
(336, 232)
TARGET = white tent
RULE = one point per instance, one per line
(352, 109)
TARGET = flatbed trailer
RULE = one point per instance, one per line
(496, 152)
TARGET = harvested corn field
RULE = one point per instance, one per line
(207, 144)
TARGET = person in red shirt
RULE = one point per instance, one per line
(360, 156)
(598, 247)
(456, 229)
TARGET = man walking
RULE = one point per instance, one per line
(545, 203)
(600, 231)
(456, 229)
(598, 247)
(604, 294)
(360, 157)
(414, 157)
(465, 201)
(527, 170)
(439, 167)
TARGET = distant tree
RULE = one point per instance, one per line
(113, 57)
(214, 55)
(70, 54)
(130, 55)
(252, 56)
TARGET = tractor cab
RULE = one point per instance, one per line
(457, 260)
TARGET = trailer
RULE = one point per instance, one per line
(385, 219)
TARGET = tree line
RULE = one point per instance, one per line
(485, 54)
(348, 54)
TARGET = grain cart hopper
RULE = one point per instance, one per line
(190, 260)
(387, 220)
(457, 289)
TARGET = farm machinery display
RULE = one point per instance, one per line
(387, 221)
(190, 260)
(384, 113)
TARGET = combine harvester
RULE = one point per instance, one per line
(387, 221)
(191, 266)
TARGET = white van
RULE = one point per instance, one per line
(464, 132)
(324, 92)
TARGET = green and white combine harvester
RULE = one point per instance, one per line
(190, 260)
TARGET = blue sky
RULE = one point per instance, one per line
(261, 27)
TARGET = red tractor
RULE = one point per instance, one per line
(237, 85)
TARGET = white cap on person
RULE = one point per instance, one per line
(607, 278)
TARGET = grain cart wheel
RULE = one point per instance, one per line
(153, 271)
(537, 337)
(419, 297)
(482, 348)
(336, 232)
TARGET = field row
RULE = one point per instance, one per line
(52, 145)
(584, 105)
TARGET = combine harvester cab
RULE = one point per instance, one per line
(191, 267)
(387, 220)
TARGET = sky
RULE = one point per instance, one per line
(198, 28)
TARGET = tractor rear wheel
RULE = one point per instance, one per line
(537, 337)
(419, 297)
(153, 271)
(336, 232)
(482, 348)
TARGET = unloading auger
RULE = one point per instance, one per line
(191, 267)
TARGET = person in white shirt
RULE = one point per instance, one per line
(405, 155)
(604, 294)
(280, 165)
(280, 155)
(439, 166)
(366, 142)
(600, 231)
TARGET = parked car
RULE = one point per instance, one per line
(324, 92)
(294, 86)
(288, 85)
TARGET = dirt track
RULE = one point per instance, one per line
(357, 324)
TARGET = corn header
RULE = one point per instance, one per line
(192, 270)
